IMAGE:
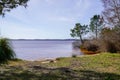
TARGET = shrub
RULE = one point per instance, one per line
(90, 45)
(6, 51)
(74, 55)
(110, 40)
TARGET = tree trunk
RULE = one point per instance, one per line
(81, 39)
(96, 31)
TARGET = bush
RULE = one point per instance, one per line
(90, 45)
(110, 40)
(74, 55)
(6, 51)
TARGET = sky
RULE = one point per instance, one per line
(48, 19)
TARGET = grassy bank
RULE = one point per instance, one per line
(93, 67)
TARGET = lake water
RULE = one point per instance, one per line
(37, 49)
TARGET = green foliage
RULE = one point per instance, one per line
(6, 51)
(79, 30)
(96, 24)
(7, 5)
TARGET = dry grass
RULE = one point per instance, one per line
(87, 52)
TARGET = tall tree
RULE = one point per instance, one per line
(78, 31)
(96, 25)
(7, 5)
(111, 13)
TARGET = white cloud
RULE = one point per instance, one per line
(38, 19)
(60, 18)
(14, 31)
(83, 3)
(34, 13)
(50, 1)
(83, 6)
(79, 3)
(65, 19)
(20, 14)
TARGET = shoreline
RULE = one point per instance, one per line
(48, 60)
(98, 66)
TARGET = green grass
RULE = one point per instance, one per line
(104, 66)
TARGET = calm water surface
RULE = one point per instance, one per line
(36, 49)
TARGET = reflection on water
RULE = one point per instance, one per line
(76, 51)
(36, 49)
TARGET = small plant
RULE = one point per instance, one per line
(74, 55)
(58, 59)
(6, 51)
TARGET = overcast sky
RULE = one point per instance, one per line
(48, 19)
